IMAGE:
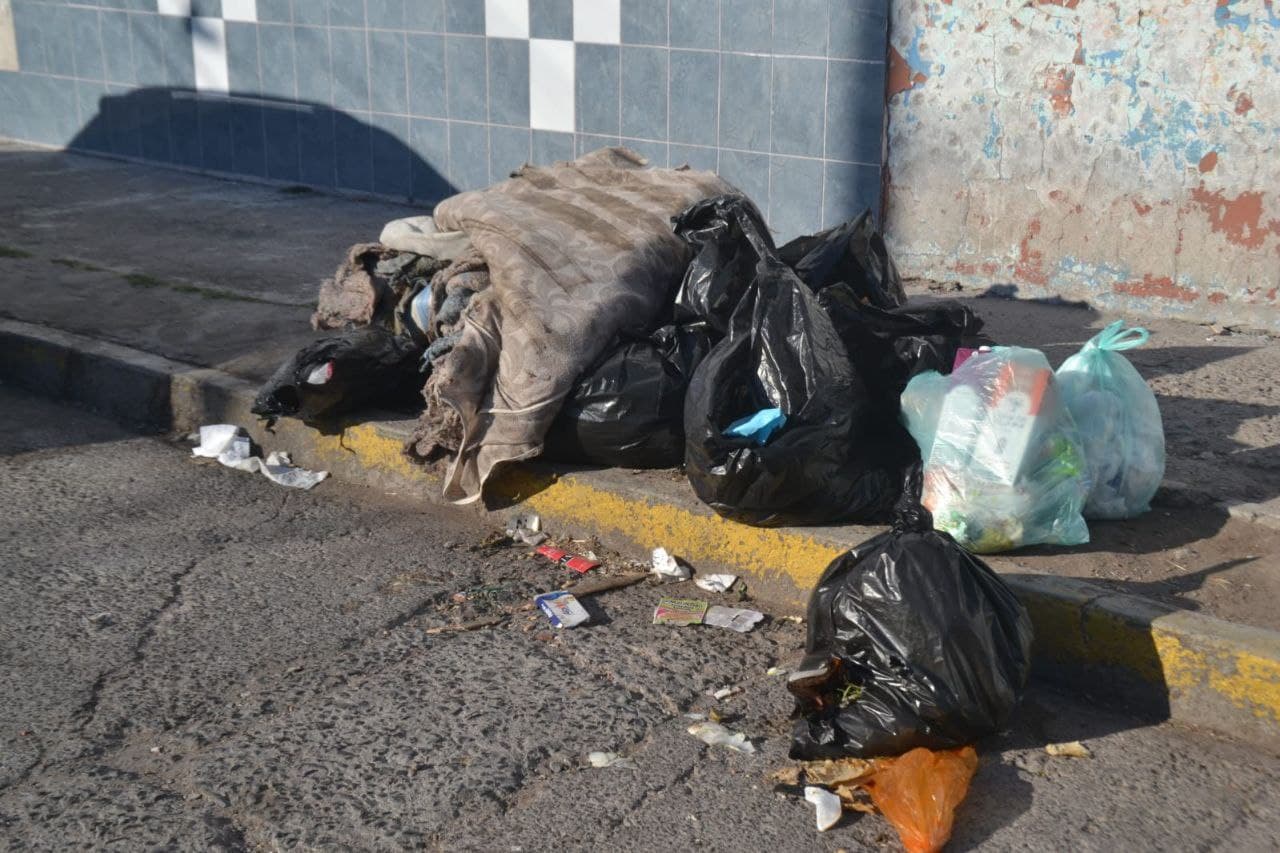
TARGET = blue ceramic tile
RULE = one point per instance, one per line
(795, 197)
(184, 132)
(508, 151)
(57, 99)
(551, 19)
(800, 27)
(693, 156)
(424, 15)
(206, 8)
(746, 25)
(464, 16)
(311, 12)
(32, 53)
(352, 151)
(465, 61)
(346, 13)
(274, 11)
(850, 189)
(315, 148)
(695, 83)
(153, 124)
(58, 24)
(598, 78)
(311, 62)
(118, 57)
(350, 69)
(280, 128)
(856, 33)
(644, 22)
(175, 41)
(385, 14)
(388, 84)
(248, 143)
(242, 58)
(509, 81)
(551, 147)
(468, 155)
(124, 114)
(429, 143)
(799, 104)
(653, 151)
(140, 5)
(148, 51)
(744, 101)
(95, 125)
(426, 76)
(588, 142)
(749, 172)
(14, 112)
(216, 146)
(644, 92)
(855, 101)
(695, 23)
(277, 61)
(392, 159)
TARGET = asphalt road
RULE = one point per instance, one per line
(194, 658)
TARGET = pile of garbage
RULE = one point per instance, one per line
(602, 313)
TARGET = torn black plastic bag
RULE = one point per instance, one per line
(783, 352)
(332, 376)
(912, 642)
(725, 259)
(853, 253)
(627, 409)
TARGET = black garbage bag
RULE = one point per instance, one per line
(725, 258)
(913, 641)
(363, 367)
(627, 408)
(853, 253)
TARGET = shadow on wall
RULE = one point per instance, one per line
(293, 142)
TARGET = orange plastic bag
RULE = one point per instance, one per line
(918, 793)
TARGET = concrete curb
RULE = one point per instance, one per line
(1115, 648)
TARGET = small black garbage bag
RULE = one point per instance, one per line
(913, 641)
(627, 409)
(853, 253)
(363, 367)
(729, 237)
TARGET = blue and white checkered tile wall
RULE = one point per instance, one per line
(419, 98)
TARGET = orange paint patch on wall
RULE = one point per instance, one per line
(1078, 58)
(1030, 265)
(1143, 209)
(1208, 162)
(1217, 298)
(902, 76)
(1243, 103)
(1058, 85)
(1238, 219)
(1159, 288)
(1066, 4)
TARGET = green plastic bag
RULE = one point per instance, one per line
(1119, 423)
(1003, 463)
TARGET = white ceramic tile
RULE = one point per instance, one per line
(240, 10)
(181, 8)
(209, 46)
(598, 21)
(505, 19)
(551, 90)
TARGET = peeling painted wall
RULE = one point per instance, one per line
(1124, 152)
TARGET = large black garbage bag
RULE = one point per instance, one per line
(627, 409)
(913, 641)
(729, 238)
(783, 352)
(363, 367)
(853, 253)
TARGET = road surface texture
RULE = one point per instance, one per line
(194, 658)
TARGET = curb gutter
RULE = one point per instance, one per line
(1114, 648)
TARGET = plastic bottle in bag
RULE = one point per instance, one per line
(1119, 421)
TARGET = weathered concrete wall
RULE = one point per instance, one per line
(1122, 151)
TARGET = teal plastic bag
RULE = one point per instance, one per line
(1119, 423)
(1003, 462)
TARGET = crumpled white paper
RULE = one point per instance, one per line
(714, 734)
(669, 567)
(230, 445)
(734, 618)
(716, 583)
(826, 804)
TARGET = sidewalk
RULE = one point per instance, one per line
(201, 273)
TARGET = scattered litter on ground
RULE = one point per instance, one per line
(610, 759)
(1070, 749)
(918, 792)
(716, 583)
(101, 620)
(669, 567)
(725, 692)
(695, 715)
(605, 584)
(679, 611)
(526, 529)
(474, 625)
(758, 427)
(562, 609)
(734, 618)
(826, 805)
(579, 564)
(714, 734)
(776, 670)
(230, 445)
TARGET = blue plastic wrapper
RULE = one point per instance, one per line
(758, 427)
(1119, 423)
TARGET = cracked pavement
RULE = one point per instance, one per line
(197, 659)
